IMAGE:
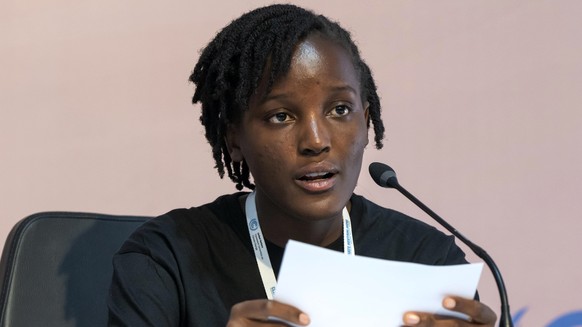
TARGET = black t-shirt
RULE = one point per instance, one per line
(190, 266)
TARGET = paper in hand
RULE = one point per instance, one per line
(338, 290)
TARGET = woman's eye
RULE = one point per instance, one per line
(339, 111)
(280, 117)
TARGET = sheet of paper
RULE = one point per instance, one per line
(340, 290)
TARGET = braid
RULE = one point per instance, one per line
(230, 67)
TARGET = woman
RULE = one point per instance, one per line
(287, 99)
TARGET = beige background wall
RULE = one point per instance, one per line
(481, 98)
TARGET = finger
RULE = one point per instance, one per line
(411, 319)
(264, 311)
(477, 311)
(423, 319)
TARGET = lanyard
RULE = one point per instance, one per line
(260, 248)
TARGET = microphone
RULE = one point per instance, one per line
(385, 176)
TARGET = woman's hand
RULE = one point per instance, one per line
(479, 315)
(265, 313)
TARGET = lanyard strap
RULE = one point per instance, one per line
(260, 247)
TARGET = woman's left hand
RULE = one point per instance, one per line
(479, 314)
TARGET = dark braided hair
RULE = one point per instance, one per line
(230, 67)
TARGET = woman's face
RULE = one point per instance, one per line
(304, 140)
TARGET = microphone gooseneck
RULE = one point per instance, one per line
(385, 176)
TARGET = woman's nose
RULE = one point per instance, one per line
(314, 137)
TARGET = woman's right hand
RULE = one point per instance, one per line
(265, 313)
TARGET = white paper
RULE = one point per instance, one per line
(338, 290)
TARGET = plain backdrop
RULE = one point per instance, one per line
(481, 100)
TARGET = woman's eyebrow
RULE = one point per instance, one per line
(274, 96)
(283, 95)
(342, 88)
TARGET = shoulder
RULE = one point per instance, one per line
(389, 234)
(180, 228)
(372, 215)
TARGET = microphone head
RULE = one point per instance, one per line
(383, 175)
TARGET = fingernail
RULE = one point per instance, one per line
(411, 319)
(303, 318)
(449, 303)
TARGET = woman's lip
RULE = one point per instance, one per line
(316, 168)
(317, 185)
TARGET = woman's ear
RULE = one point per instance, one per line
(232, 143)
